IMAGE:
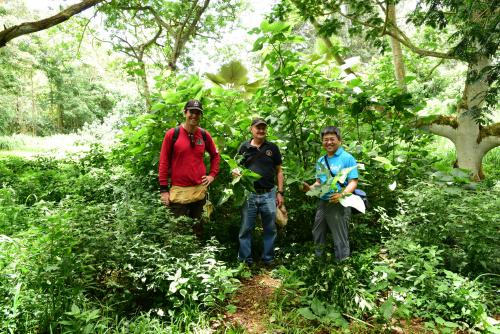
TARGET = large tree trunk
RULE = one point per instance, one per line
(145, 85)
(397, 52)
(33, 106)
(60, 118)
(472, 142)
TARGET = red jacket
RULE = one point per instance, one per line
(187, 165)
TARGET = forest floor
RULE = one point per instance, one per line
(251, 303)
(251, 313)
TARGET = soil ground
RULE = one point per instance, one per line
(251, 303)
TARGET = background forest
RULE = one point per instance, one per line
(88, 90)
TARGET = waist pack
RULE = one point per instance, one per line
(185, 195)
(363, 196)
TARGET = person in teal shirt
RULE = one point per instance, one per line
(330, 214)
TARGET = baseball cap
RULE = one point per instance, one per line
(258, 120)
(193, 105)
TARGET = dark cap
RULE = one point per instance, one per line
(258, 120)
(193, 105)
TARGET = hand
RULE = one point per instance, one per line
(280, 199)
(165, 198)
(207, 179)
(236, 172)
(335, 198)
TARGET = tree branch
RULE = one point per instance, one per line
(444, 126)
(30, 27)
(157, 17)
(428, 77)
(330, 47)
(402, 38)
(386, 13)
(490, 137)
(183, 35)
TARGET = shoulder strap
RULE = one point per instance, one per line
(328, 165)
(176, 135)
(204, 134)
(331, 173)
(174, 139)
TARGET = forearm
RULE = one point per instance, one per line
(351, 186)
(280, 178)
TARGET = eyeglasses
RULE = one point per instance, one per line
(191, 139)
(329, 140)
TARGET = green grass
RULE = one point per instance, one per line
(61, 145)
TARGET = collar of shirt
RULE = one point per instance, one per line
(249, 145)
(338, 151)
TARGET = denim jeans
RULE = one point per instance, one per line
(265, 205)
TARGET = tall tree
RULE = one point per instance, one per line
(157, 32)
(474, 40)
(397, 52)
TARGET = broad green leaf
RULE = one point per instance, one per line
(382, 160)
(306, 313)
(274, 27)
(75, 309)
(231, 309)
(218, 80)
(259, 43)
(318, 308)
(227, 193)
(387, 308)
(234, 73)
(157, 106)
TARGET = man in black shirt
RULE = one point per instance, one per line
(263, 158)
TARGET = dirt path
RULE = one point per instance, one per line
(251, 302)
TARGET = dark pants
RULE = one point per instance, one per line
(192, 210)
(335, 217)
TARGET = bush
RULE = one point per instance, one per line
(79, 233)
(458, 221)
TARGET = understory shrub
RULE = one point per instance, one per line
(462, 223)
(400, 280)
(79, 242)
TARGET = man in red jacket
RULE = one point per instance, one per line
(181, 161)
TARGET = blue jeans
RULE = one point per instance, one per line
(255, 204)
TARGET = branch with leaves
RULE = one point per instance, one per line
(26, 28)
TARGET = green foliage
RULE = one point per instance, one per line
(234, 74)
(400, 281)
(9, 143)
(73, 233)
(459, 221)
(44, 90)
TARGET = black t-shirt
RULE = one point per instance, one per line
(265, 164)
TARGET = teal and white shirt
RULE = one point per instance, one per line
(340, 160)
